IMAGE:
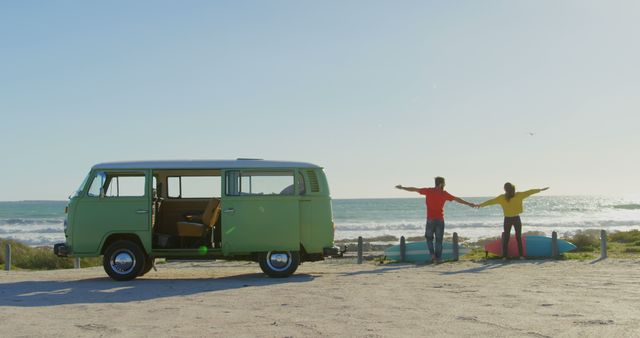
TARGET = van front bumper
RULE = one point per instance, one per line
(60, 250)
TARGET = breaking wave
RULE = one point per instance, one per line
(627, 206)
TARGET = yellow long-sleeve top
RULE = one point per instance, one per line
(512, 207)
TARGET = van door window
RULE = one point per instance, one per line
(126, 186)
(241, 183)
(193, 186)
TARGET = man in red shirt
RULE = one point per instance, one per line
(435, 198)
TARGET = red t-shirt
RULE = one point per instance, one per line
(435, 200)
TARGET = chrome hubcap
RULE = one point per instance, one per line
(279, 261)
(123, 262)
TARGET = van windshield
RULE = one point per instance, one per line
(81, 187)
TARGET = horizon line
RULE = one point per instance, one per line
(345, 198)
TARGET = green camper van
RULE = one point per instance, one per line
(273, 212)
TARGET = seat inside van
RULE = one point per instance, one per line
(194, 227)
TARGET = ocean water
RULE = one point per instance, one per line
(33, 222)
(406, 217)
(41, 222)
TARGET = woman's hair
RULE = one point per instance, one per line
(509, 191)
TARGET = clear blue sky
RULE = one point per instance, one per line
(377, 92)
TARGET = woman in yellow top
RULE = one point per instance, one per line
(511, 202)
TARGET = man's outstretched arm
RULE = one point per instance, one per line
(461, 201)
(414, 189)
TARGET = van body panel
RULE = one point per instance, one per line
(259, 224)
(143, 236)
(316, 226)
(321, 233)
(306, 222)
(190, 253)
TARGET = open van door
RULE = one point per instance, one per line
(115, 202)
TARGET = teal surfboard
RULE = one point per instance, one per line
(417, 252)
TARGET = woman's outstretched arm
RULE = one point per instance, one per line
(490, 202)
(533, 191)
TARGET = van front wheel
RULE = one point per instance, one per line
(148, 265)
(123, 260)
(279, 263)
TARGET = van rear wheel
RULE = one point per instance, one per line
(123, 260)
(279, 263)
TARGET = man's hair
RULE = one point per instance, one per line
(439, 181)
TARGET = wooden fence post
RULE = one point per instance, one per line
(403, 249)
(456, 250)
(76, 263)
(554, 244)
(359, 249)
(603, 244)
(7, 257)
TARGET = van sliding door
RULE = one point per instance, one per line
(260, 212)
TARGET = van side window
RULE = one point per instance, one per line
(126, 186)
(254, 183)
(193, 186)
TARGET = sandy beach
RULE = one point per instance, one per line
(331, 298)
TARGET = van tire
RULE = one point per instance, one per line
(123, 260)
(148, 265)
(279, 264)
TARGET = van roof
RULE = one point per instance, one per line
(204, 164)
